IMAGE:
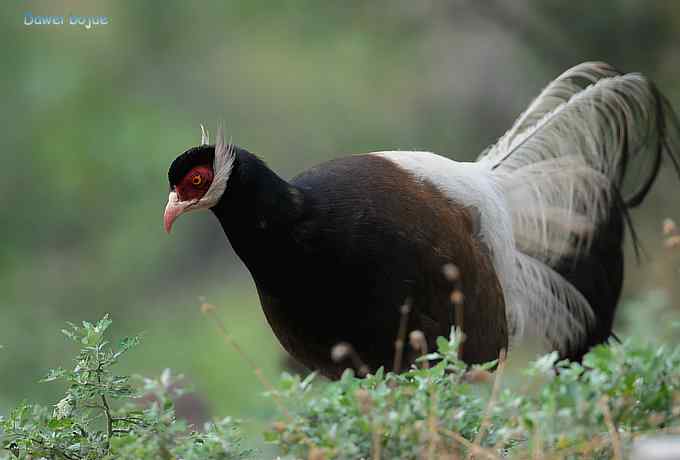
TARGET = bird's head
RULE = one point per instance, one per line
(198, 178)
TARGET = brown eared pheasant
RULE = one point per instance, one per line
(535, 227)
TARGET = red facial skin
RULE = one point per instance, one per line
(194, 185)
(187, 193)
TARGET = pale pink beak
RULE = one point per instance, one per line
(174, 209)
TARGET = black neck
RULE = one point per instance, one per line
(257, 212)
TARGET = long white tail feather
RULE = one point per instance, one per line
(567, 198)
(556, 93)
(554, 311)
(559, 165)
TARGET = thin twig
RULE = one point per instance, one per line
(418, 342)
(344, 350)
(107, 411)
(537, 450)
(209, 310)
(376, 452)
(109, 420)
(499, 443)
(132, 420)
(457, 298)
(486, 419)
(472, 447)
(433, 425)
(53, 450)
(401, 336)
(459, 310)
(613, 432)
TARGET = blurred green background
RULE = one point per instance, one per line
(91, 120)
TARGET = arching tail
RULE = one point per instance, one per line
(585, 151)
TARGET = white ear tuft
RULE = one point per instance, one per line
(205, 136)
(225, 155)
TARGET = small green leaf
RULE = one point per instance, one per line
(54, 374)
(442, 345)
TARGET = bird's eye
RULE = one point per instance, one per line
(197, 180)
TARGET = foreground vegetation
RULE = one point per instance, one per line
(593, 410)
(106, 416)
(439, 409)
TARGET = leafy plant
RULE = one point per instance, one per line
(101, 417)
(440, 408)
(589, 410)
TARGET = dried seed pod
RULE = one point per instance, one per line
(341, 351)
(365, 400)
(672, 242)
(451, 272)
(416, 339)
(207, 308)
(418, 342)
(316, 454)
(669, 227)
(478, 376)
(279, 427)
(457, 297)
(344, 350)
(405, 309)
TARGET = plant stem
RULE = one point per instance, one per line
(107, 408)
(109, 420)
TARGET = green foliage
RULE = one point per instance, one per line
(102, 415)
(562, 408)
(441, 406)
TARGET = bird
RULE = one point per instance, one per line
(529, 236)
